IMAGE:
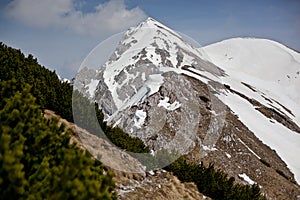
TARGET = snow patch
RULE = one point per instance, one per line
(139, 118)
(209, 148)
(152, 153)
(249, 149)
(228, 155)
(227, 138)
(154, 82)
(92, 87)
(151, 172)
(65, 80)
(117, 122)
(247, 178)
(165, 103)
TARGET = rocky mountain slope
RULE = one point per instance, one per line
(229, 103)
(156, 185)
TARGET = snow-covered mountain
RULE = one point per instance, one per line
(146, 52)
(268, 72)
(262, 59)
(147, 56)
(234, 103)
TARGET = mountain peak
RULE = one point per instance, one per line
(154, 22)
(150, 19)
(144, 54)
(151, 23)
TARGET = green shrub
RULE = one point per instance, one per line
(37, 160)
(213, 183)
(46, 87)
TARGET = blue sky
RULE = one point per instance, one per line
(60, 33)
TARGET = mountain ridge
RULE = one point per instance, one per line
(173, 96)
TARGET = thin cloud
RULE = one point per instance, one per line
(108, 17)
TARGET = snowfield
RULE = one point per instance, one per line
(269, 66)
(272, 70)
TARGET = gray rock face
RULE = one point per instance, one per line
(171, 117)
(83, 79)
(103, 96)
(171, 129)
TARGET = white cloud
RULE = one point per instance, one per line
(108, 17)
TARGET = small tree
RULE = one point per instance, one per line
(37, 160)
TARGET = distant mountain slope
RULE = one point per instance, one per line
(271, 75)
(262, 59)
